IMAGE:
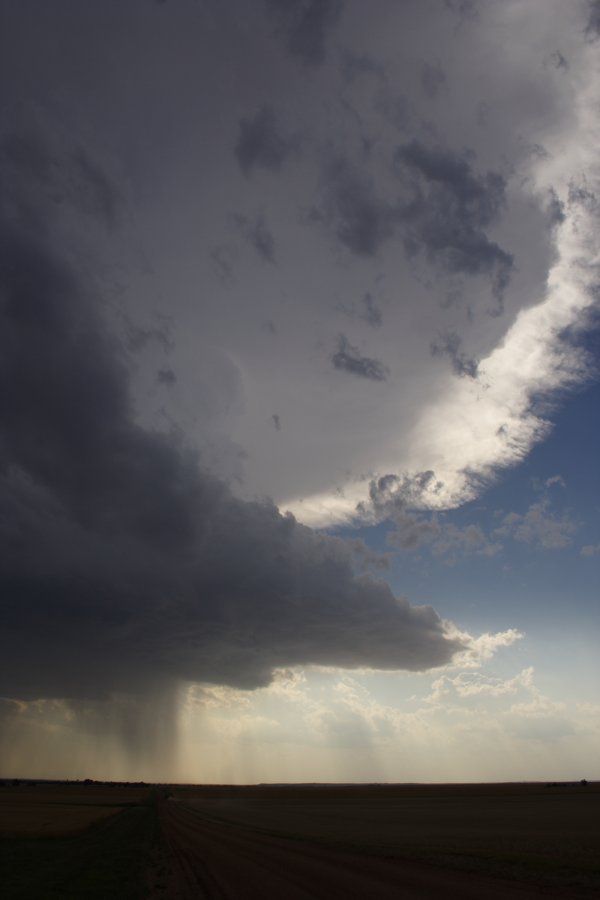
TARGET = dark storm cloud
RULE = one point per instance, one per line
(262, 143)
(76, 177)
(123, 566)
(306, 25)
(28, 154)
(66, 419)
(97, 194)
(349, 359)
(449, 344)
(259, 236)
(449, 209)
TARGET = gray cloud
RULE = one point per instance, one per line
(432, 80)
(349, 359)
(555, 210)
(454, 542)
(371, 312)
(449, 345)
(138, 338)
(401, 499)
(75, 177)
(96, 193)
(306, 25)
(559, 61)
(124, 566)
(439, 205)
(413, 530)
(167, 377)
(396, 497)
(119, 523)
(539, 526)
(29, 155)
(68, 414)
(362, 221)
(367, 310)
(449, 209)
(223, 260)
(445, 540)
(262, 143)
(390, 494)
(592, 28)
(465, 10)
(354, 66)
(258, 234)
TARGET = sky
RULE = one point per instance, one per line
(300, 359)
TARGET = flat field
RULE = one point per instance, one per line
(303, 842)
(69, 842)
(534, 834)
(53, 809)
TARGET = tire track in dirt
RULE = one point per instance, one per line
(225, 861)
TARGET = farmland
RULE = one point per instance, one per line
(65, 842)
(410, 842)
(58, 809)
(523, 836)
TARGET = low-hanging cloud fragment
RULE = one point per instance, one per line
(349, 359)
(439, 206)
(539, 526)
(449, 209)
(449, 344)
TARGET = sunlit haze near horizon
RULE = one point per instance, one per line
(299, 428)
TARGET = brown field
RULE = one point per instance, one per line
(55, 809)
(303, 842)
(511, 840)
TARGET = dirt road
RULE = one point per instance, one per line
(217, 860)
